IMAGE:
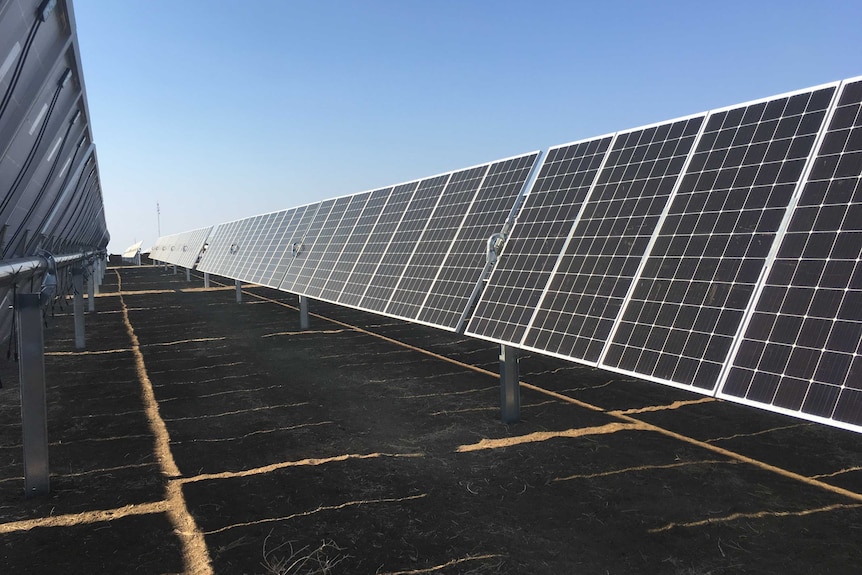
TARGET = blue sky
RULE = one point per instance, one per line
(221, 109)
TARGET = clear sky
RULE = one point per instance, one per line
(221, 109)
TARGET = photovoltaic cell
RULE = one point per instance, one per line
(450, 297)
(402, 243)
(436, 240)
(376, 244)
(354, 244)
(541, 228)
(689, 300)
(802, 347)
(601, 260)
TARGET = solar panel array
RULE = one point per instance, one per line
(718, 253)
(384, 251)
(49, 175)
(801, 350)
(181, 249)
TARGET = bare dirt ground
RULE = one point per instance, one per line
(225, 440)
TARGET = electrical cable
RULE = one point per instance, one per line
(79, 207)
(35, 204)
(46, 7)
(16, 75)
(49, 213)
(64, 79)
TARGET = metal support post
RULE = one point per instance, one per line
(91, 291)
(34, 411)
(510, 390)
(175, 270)
(188, 275)
(99, 272)
(78, 285)
(303, 312)
(206, 280)
(238, 291)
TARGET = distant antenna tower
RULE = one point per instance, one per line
(159, 218)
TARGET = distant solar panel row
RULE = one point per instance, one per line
(415, 251)
(181, 249)
(645, 252)
(718, 253)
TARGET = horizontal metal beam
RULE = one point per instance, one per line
(15, 270)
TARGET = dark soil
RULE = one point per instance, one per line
(368, 456)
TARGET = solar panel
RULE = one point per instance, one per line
(455, 285)
(702, 269)
(382, 251)
(317, 248)
(292, 240)
(240, 252)
(181, 249)
(250, 244)
(337, 243)
(354, 244)
(540, 230)
(403, 243)
(801, 351)
(376, 244)
(303, 249)
(267, 244)
(229, 248)
(193, 245)
(436, 239)
(256, 241)
(608, 241)
(267, 274)
(220, 242)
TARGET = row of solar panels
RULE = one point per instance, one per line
(52, 195)
(415, 251)
(49, 177)
(718, 253)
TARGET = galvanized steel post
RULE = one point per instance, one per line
(206, 280)
(188, 275)
(78, 306)
(303, 312)
(91, 291)
(34, 411)
(510, 390)
(238, 291)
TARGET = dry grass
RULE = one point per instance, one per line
(285, 560)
